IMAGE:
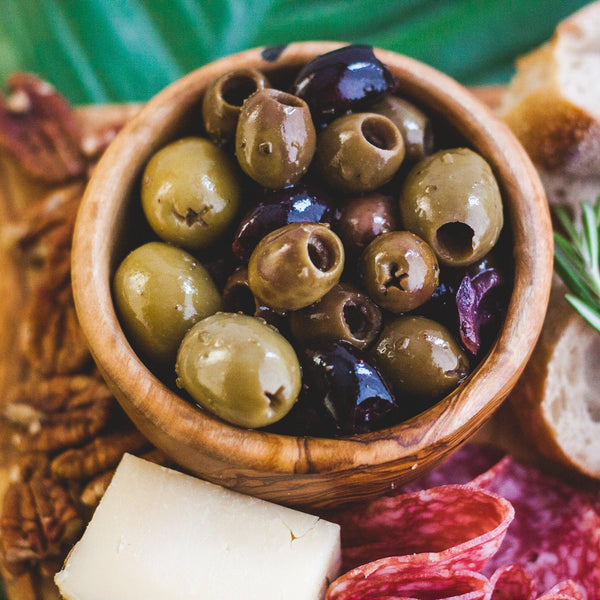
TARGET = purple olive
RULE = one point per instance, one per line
(342, 394)
(300, 203)
(349, 79)
(481, 302)
(362, 219)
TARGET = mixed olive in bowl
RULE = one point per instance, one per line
(355, 243)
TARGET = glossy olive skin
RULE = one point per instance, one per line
(295, 265)
(275, 138)
(452, 200)
(399, 271)
(413, 123)
(359, 152)
(302, 202)
(190, 192)
(343, 393)
(223, 101)
(160, 291)
(240, 369)
(347, 79)
(344, 313)
(362, 219)
(420, 357)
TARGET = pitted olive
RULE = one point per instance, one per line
(160, 291)
(240, 369)
(451, 199)
(190, 192)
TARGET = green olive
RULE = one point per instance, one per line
(451, 199)
(190, 192)
(399, 271)
(413, 123)
(359, 152)
(223, 101)
(275, 138)
(240, 369)
(420, 357)
(160, 291)
(295, 265)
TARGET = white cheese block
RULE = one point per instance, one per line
(160, 534)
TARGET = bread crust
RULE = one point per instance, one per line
(530, 397)
(558, 132)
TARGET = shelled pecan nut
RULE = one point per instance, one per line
(38, 521)
(38, 126)
(102, 453)
(57, 413)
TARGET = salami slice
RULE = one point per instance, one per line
(446, 526)
(555, 535)
(397, 580)
(511, 582)
(565, 590)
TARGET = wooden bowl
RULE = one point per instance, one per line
(300, 471)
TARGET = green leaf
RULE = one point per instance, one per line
(126, 50)
(589, 314)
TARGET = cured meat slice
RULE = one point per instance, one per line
(555, 535)
(565, 590)
(448, 526)
(511, 582)
(394, 580)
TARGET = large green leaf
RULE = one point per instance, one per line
(121, 50)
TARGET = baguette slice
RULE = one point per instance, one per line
(553, 102)
(557, 399)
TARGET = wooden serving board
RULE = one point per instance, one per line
(17, 192)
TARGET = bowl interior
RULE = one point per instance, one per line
(307, 472)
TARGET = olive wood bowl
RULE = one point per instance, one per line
(302, 471)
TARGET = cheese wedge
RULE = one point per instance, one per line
(160, 534)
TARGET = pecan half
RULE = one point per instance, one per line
(30, 465)
(45, 228)
(102, 453)
(59, 412)
(39, 521)
(38, 127)
(51, 339)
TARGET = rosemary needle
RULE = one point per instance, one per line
(577, 260)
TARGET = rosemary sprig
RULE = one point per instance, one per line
(577, 260)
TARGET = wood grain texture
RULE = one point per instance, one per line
(308, 472)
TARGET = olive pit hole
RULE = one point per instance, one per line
(455, 239)
(237, 88)
(321, 253)
(286, 99)
(277, 398)
(356, 318)
(380, 132)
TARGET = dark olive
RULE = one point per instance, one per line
(399, 271)
(223, 101)
(362, 219)
(413, 123)
(452, 200)
(420, 357)
(343, 393)
(359, 152)
(347, 79)
(240, 369)
(160, 291)
(295, 265)
(190, 192)
(238, 297)
(302, 202)
(344, 313)
(275, 138)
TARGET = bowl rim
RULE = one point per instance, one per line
(456, 417)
